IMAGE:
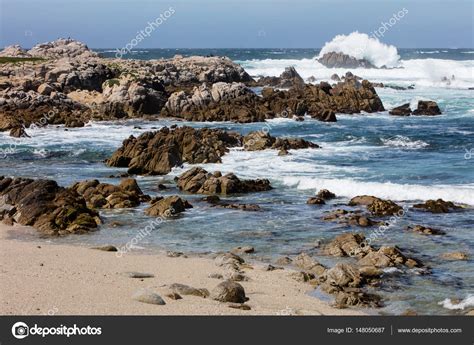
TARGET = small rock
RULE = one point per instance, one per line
(229, 291)
(272, 268)
(174, 296)
(243, 250)
(137, 275)
(239, 306)
(216, 276)
(284, 260)
(188, 290)
(107, 248)
(315, 201)
(149, 297)
(172, 254)
(325, 194)
(454, 256)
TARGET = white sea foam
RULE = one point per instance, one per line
(361, 46)
(405, 142)
(468, 302)
(388, 190)
(418, 72)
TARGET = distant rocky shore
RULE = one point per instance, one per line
(64, 82)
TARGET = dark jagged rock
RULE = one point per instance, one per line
(198, 180)
(425, 230)
(289, 78)
(43, 204)
(437, 206)
(215, 201)
(376, 206)
(357, 218)
(104, 195)
(315, 201)
(429, 108)
(341, 60)
(156, 153)
(325, 194)
(347, 245)
(19, 132)
(260, 140)
(403, 110)
(168, 207)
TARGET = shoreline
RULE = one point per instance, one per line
(39, 278)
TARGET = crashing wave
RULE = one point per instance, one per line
(363, 47)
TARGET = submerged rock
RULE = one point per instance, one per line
(168, 207)
(455, 256)
(403, 110)
(425, 230)
(437, 206)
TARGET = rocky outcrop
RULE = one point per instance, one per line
(43, 204)
(403, 110)
(376, 206)
(220, 102)
(437, 206)
(19, 108)
(104, 195)
(261, 140)
(289, 78)
(354, 245)
(341, 60)
(168, 207)
(156, 153)
(424, 230)
(14, 51)
(429, 108)
(198, 180)
(215, 201)
(347, 245)
(356, 218)
(127, 98)
(322, 101)
(61, 48)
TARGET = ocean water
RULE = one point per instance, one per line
(404, 159)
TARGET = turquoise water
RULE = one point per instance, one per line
(403, 159)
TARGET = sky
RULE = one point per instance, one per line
(236, 24)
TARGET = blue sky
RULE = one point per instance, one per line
(236, 24)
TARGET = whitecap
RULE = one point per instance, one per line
(465, 303)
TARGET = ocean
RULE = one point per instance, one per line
(403, 159)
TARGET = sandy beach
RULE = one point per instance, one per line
(38, 278)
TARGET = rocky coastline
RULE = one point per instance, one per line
(68, 84)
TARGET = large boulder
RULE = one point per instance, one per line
(220, 102)
(229, 291)
(377, 206)
(158, 152)
(347, 245)
(43, 204)
(429, 108)
(341, 60)
(198, 180)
